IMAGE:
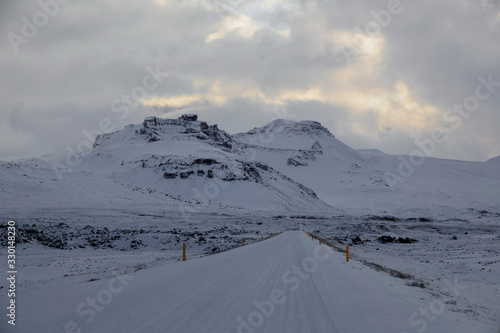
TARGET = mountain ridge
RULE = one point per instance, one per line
(284, 165)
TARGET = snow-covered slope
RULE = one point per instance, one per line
(494, 160)
(370, 180)
(437, 186)
(285, 165)
(176, 162)
(302, 135)
(309, 153)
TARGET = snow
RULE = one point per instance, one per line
(494, 160)
(373, 152)
(116, 212)
(472, 259)
(349, 179)
(298, 165)
(310, 289)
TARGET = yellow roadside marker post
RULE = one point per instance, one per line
(184, 252)
(347, 252)
(261, 237)
(243, 241)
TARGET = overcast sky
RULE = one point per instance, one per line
(377, 74)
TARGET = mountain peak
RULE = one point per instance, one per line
(303, 127)
(181, 121)
(288, 134)
(185, 128)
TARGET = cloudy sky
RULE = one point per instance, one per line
(377, 74)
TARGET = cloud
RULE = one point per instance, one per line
(237, 62)
(242, 27)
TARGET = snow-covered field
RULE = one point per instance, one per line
(81, 248)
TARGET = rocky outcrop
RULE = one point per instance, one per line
(316, 146)
(189, 117)
(294, 162)
(154, 129)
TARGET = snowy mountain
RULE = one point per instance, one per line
(370, 180)
(283, 166)
(172, 162)
(309, 153)
(494, 160)
(296, 135)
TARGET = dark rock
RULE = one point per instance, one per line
(316, 146)
(386, 239)
(405, 240)
(185, 175)
(294, 162)
(252, 173)
(135, 244)
(381, 218)
(400, 240)
(189, 117)
(261, 166)
(356, 240)
(168, 175)
(205, 161)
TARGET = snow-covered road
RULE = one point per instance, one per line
(284, 284)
